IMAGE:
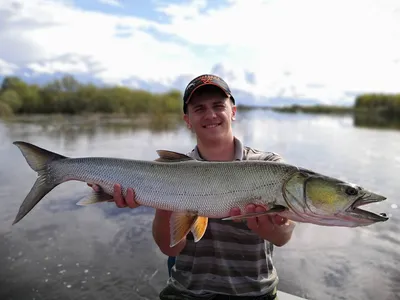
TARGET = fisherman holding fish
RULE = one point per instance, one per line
(233, 258)
(199, 196)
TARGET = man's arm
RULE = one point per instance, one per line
(160, 226)
(161, 233)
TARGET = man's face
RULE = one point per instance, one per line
(210, 115)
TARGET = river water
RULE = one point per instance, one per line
(64, 251)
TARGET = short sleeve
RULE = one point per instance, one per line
(271, 156)
(254, 154)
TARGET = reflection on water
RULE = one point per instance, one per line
(64, 251)
(72, 127)
(376, 121)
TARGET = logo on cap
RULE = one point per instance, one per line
(208, 78)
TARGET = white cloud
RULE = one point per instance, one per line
(7, 68)
(72, 31)
(289, 45)
(66, 64)
(345, 45)
(111, 2)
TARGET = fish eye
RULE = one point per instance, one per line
(351, 191)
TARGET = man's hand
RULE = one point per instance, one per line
(119, 199)
(274, 228)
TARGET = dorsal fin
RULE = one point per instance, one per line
(171, 156)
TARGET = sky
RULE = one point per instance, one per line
(310, 50)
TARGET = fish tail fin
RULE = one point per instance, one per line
(38, 159)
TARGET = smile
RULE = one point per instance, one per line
(211, 125)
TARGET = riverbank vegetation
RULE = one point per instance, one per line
(316, 109)
(68, 96)
(386, 105)
(366, 107)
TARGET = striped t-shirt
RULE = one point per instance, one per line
(230, 258)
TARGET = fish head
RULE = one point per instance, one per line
(324, 200)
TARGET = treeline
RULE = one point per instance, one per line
(373, 105)
(68, 96)
(383, 104)
(315, 109)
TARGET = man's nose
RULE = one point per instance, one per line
(210, 113)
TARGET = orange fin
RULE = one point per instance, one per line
(199, 227)
(180, 224)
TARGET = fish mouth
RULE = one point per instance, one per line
(370, 216)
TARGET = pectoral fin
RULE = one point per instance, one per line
(95, 197)
(199, 228)
(273, 210)
(180, 225)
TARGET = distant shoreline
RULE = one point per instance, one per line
(67, 96)
(311, 109)
(380, 105)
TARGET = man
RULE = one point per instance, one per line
(234, 259)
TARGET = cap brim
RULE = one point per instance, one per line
(204, 84)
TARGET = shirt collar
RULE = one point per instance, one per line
(238, 151)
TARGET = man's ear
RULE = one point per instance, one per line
(186, 119)
(234, 110)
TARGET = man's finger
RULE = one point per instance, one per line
(235, 212)
(130, 198)
(263, 221)
(119, 201)
(251, 222)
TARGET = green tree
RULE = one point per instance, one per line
(12, 99)
(68, 96)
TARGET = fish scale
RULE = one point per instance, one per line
(181, 186)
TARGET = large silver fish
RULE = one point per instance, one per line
(198, 190)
